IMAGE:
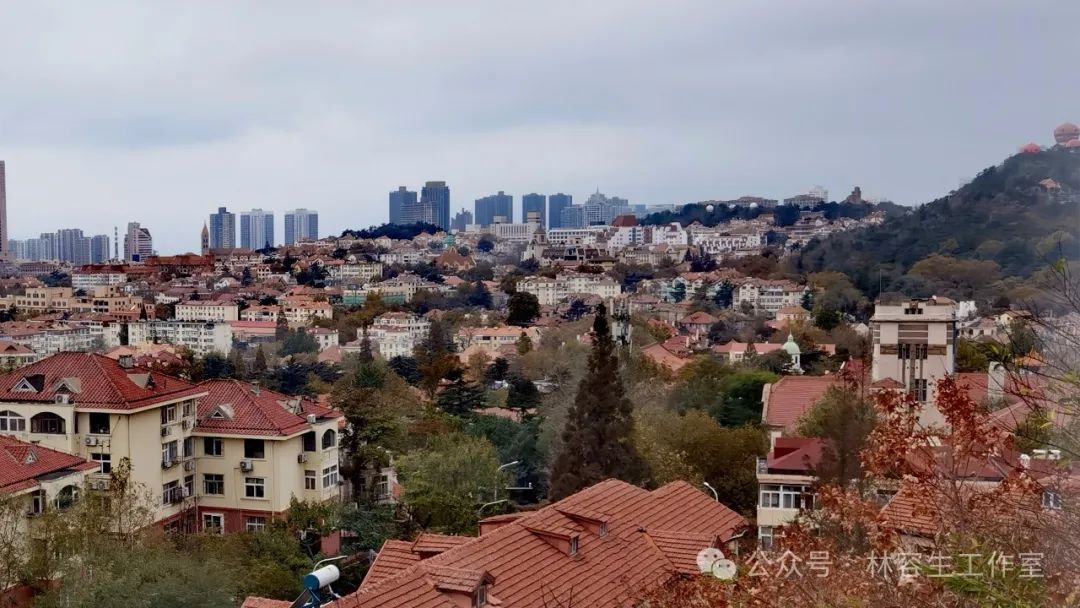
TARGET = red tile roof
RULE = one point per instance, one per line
(394, 557)
(22, 463)
(795, 454)
(92, 381)
(240, 408)
(791, 396)
(650, 537)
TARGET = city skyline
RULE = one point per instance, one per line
(589, 97)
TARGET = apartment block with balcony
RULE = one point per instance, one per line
(94, 408)
(257, 449)
(785, 484)
(201, 337)
(195, 310)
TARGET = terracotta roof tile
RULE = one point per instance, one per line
(22, 463)
(92, 380)
(239, 408)
(791, 396)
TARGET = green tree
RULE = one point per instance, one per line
(844, 420)
(372, 401)
(260, 361)
(522, 395)
(826, 318)
(497, 371)
(449, 480)
(406, 367)
(299, 341)
(678, 291)
(516, 442)
(597, 436)
(435, 358)
(694, 447)
(524, 344)
(461, 397)
(970, 357)
(281, 329)
(524, 308)
(724, 294)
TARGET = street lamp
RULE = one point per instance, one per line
(715, 495)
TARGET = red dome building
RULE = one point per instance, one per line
(1030, 148)
(1066, 132)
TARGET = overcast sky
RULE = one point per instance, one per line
(159, 112)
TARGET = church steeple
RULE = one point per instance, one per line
(205, 239)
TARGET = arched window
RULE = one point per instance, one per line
(10, 421)
(48, 423)
(68, 496)
(329, 439)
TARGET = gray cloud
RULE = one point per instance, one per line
(159, 113)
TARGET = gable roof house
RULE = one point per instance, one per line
(605, 546)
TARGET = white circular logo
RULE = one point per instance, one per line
(707, 557)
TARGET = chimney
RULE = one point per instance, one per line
(1025, 461)
(255, 388)
(126, 361)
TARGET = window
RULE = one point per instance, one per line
(37, 502)
(171, 492)
(48, 423)
(912, 351)
(189, 409)
(309, 441)
(213, 523)
(256, 523)
(254, 487)
(1051, 500)
(67, 496)
(253, 448)
(329, 440)
(310, 480)
(329, 476)
(765, 537)
(794, 497)
(770, 497)
(481, 597)
(104, 461)
(382, 489)
(918, 389)
(212, 446)
(213, 483)
(573, 545)
(189, 447)
(99, 424)
(170, 452)
(168, 414)
(10, 421)
(189, 485)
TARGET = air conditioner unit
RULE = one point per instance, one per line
(312, 418)
(184, 492)
(167, 464)
(186, 425)
(90, 440)
(301, 458)
(166, 431)
(245, 465)
(62, 399)
(99, 484)
(189, 465)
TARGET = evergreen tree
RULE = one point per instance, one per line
(524, 344)
(524, 308)
(365, 355)
(462, 397)
(523, 395)
(435, 357)
(260, 360)
(597, 439)
(405, 367)
(239, 366)
(282, 328)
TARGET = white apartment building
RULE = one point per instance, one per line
(301, 314)
(915, 344)
(355, 271)
(718, 243)
(590, 235)
(767, 295)
(195, 310)
(396, 334)
(494, 338)
(202, 338)
(87, 279)
(325, 337)
(552, 291)
(671, 234)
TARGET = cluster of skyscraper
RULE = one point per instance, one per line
(65, 245)
(257, 229)
(433, 206)
(555, 210)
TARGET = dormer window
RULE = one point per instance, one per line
(603, 529)
(573, 545)
(481, 597)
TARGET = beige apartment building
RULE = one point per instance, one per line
(915, 345)
(224, 448)
(207, 311)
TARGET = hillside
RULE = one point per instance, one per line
(985, 238)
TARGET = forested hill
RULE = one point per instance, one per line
(1001, 227)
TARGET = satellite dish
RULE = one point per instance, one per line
(724, 569)
(707, 557)
(710, 208)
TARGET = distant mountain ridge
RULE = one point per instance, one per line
(1019, 215)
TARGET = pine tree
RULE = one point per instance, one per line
(462, 397)
(260, 360)
(365, 354)
(597, 437)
